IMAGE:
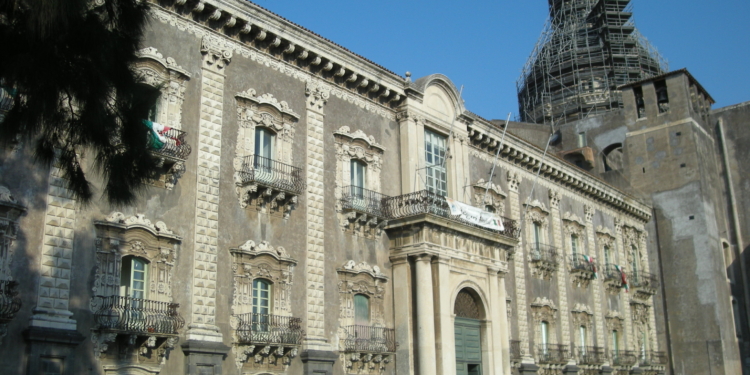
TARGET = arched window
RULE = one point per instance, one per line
(133, 277)
(361, 310)
(262, 289)
(612, 157)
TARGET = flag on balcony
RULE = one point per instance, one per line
(623, 277)
(159, 135)
(475, 215)
(593, 264)
(7, 95)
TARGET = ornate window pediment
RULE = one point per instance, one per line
(359, 200)
(171, 79)
(130, 325)
(265, 174)
(487, 194)
(364, 348)
(543, 258)
(266, 335)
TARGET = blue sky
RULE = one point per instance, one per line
(483, 44)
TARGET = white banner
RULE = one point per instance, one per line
(475, 215)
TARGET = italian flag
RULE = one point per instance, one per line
(624, 278)
(591, 260)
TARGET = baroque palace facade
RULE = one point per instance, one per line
(299, 226)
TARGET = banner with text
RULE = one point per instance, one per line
(475, 215)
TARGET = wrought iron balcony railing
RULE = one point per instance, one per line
(515, 349)
(174, 147)
(610, 272)
(271, 173)
(136, 315)
(10, 303)
(623, 357)
(369, 339)
(649, 358)
(643, 280)
(590, 355)
(542, 253)
(552, 353)
(426, 202)
(578, 262)
(268, 329)
(362, 200)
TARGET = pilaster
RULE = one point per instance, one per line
(625, 298)
(317, 95)
(518, 263)
(425, 316)
(402, 302)
(562, 272)
(203, 313)
(445, 334)
(501, 341)
(597, 286)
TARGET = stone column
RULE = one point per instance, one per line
(317, 350)
(204, 345)
(425, 317)
(445, 331)
(203, 313)
(518, 263)
(52, 331)
(558, 241)
(499, 313)
(622, 259)
(402, 303)
(597, 286)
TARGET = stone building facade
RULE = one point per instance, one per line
(299, 226)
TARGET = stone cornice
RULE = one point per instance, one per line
(527, 156)
(264, 31)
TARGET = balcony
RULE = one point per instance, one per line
(266, 329)
(425, 202)
(552, 353)
(582, 268)
(652, 358)
(515, 350)
(10, 303)
(135, 316)
(363, 201)
(623, 358)
(543, 260)
(369, 346)
(369, 339)
(644, 280)
(270, 182)
(173, 146)
(170, 148)
(590, 355)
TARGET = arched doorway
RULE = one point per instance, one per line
(467, 332)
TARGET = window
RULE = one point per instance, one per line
(537, 236)
(489, 208)
(662, 96)
(544, 331)
(607, 255)
(133, 277)
(437, 177)
(264, 140)
(582, 336)
(639, 103)
(358, 178)
(643, 345)
(615, 343)
(636, 262)
(574, 244)
(361, 310)
(261, 296)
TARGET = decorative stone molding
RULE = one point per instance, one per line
(10, 213)
(119, 236)
(317, 95)
(489, 194)
(544, 310)
(513, 181)
(554, 199)
(582, 315)
(614, 321)
(171, 78)
(251, 261)
(367, 221)
(216, 53)
(265, 111)
(641, 314)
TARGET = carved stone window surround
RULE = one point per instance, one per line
(362, 278)
(544, 310)
(583, 315)
(10, 213)
(542, 266)
(116, 237)
(574, 226)
(265, 111)
(356, 145)
(171, 78)
(489, 194)
(252, 261)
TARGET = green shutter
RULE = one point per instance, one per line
(468, 346)
(361, 310)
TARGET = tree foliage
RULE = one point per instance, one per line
(70, 62)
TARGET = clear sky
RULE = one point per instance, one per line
(483, 44)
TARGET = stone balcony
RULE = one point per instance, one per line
(582, 269)
(552, 354)
(270, 183)
(590, 355)
(10, 303)
(172, 150)
(267, 338)
(370, 347)
(644, 284)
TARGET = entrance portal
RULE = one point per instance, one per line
(467, 328)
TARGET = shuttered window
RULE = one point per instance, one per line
(361, 310)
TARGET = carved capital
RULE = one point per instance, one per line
(317, 95)
(216, 55)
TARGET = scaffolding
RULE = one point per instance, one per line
(586, 50)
